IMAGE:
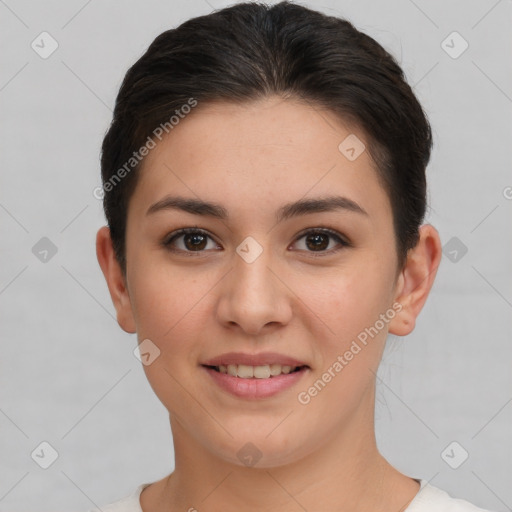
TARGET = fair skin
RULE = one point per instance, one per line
(293, 299)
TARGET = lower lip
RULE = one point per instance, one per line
(255, 388)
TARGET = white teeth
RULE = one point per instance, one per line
(245, 372)
(275, 369)
(262, 372)
(265, 371)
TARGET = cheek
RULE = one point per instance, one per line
(172, 308)
(345, 302)
(348, 307)
(165, 298)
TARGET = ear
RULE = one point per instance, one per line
(416, 280)
(115, 280)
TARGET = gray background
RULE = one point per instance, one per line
(68, 375)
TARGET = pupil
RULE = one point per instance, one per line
(318, 241)
(195, 241)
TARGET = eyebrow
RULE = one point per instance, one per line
(300, 207)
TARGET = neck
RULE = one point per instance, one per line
(345, 473)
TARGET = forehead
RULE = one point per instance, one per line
(260, 154)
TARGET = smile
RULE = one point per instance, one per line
(255, 382)
(266, 371)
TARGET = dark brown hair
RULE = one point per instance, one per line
(250, 51)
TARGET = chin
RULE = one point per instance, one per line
(261, 450)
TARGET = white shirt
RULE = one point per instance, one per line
(428, 499)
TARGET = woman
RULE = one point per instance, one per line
(264, 187)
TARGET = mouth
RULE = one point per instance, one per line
(249, 376)
(266, 371)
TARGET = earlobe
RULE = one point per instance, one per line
(115, 280)
(416, 280)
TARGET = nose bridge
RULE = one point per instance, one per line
(252, 296)
(252, 275)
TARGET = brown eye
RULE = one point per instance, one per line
(321, 241)
(195, 242)
(190, 240)
(317, 241)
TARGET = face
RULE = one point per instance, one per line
(256, 284)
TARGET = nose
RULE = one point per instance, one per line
(253, 297)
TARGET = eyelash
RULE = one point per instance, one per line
(343, 243)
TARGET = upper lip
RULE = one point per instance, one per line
(253, 359)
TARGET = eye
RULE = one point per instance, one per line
(190, 240)
(321, 241)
